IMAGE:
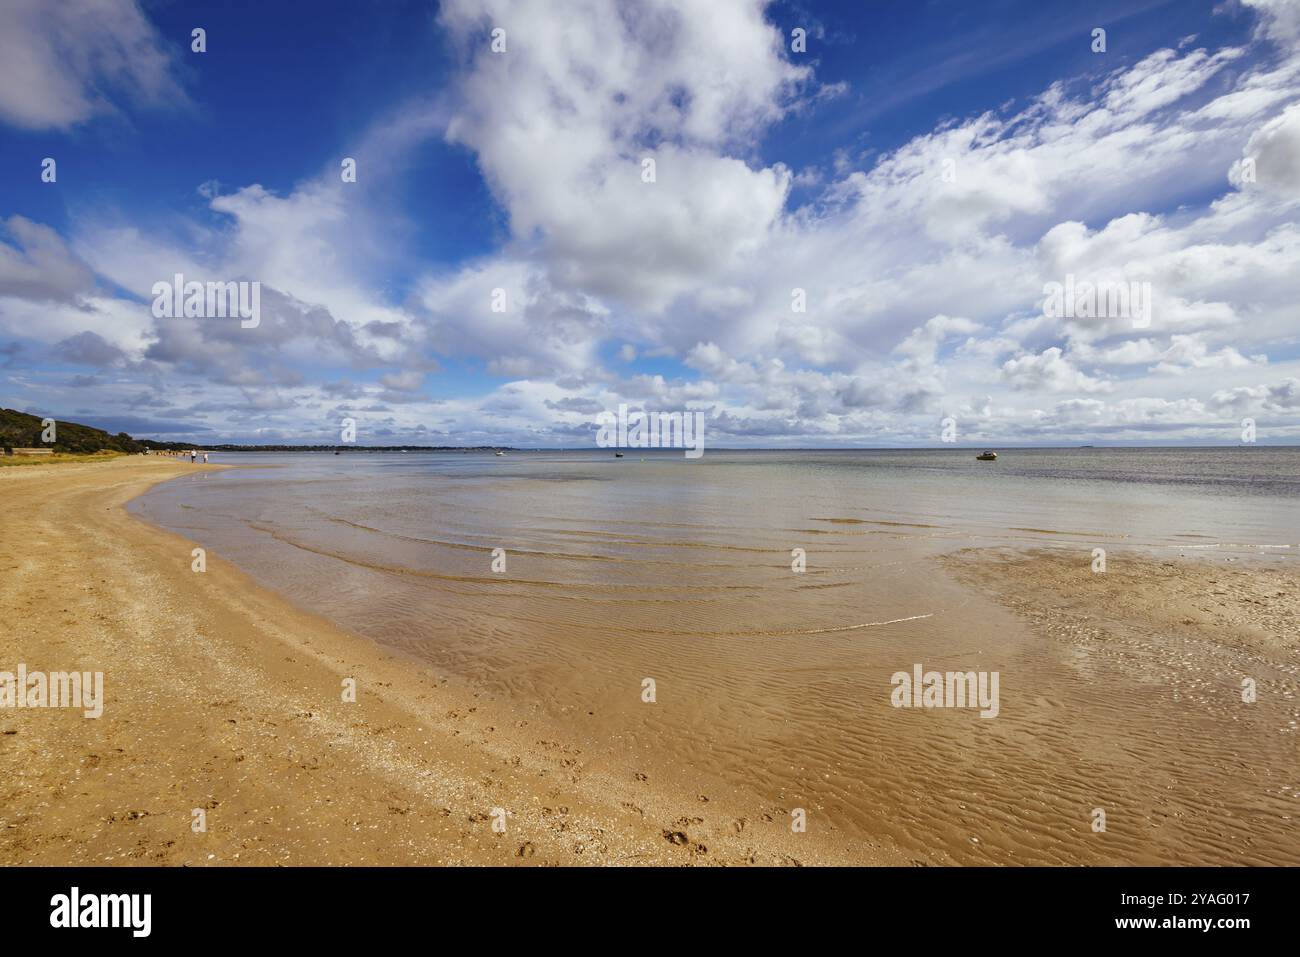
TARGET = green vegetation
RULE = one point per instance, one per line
(20, 430)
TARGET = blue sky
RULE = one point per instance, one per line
(922, 172)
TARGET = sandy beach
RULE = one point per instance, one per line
(221, 696)
(1121, 691)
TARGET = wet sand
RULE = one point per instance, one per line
(1158, 734)
(1119, 691)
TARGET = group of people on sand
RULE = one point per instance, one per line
(192, 453)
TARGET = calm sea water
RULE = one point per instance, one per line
(401, 546)
(1227, 497)
(771, 682)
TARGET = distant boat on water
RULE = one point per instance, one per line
(618, 455)
(501, 453)
(987, 456)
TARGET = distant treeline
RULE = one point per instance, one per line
(20, 430)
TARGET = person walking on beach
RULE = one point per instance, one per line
(193, 456)
(205, 458)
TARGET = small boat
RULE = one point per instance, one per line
(618, 455)
(987, 456)
(501, 453)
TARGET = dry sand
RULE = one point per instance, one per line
(222, 696)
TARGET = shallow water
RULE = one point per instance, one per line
(772, 685)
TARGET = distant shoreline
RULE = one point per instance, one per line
(359, 448)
